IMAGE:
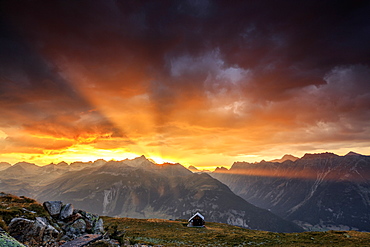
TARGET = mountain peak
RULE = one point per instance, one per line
(141, 158)
(4, 165)
(319, 156)
(62, 163)
(351, 153)
(193, 169)
(24, 164)
(220, 169)
(285, 158)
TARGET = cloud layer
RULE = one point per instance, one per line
(199, 82)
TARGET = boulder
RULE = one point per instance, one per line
(77, 228)
(53, 207)
(106, 243)
(94, 224)
(98, 227)
(66, 211)
(50, 234)
(73, 218)
(83, 240)
(24, 230)
(35, 231)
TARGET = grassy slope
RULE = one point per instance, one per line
(174, 233)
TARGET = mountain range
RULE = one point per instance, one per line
(139, 188)
(318, 191)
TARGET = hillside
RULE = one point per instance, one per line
(318, 191)
(152, 232)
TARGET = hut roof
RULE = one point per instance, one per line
(196, 214)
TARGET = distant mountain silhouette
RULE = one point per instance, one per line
(193, 169)
(285, 158)
(4, 165)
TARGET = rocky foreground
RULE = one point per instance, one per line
(27, 223)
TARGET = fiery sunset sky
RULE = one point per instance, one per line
(198, 82)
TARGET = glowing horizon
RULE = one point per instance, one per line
(108, 156)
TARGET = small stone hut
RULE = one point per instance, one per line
(197, 220)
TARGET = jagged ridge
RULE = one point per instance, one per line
(318, 191)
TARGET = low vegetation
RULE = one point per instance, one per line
(175, 233)
(13, 206)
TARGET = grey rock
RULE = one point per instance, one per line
(50, 234)
(53, 207)
(99, 226)
(25, 230)
(66, 211)
(106, 243)
(93, 223)
(65, 238)
(42, 219)
(83, 240)
(77, 228)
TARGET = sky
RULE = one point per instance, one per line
(198, 82)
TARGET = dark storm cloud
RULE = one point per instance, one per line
(293, 42)
(27, 81)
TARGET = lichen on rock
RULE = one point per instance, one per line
(9, 241)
